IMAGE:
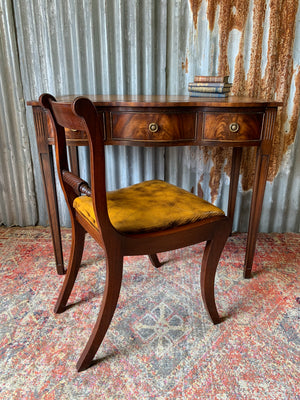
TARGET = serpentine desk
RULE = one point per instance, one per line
(170, 121)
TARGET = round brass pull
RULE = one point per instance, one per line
(153, 127)
(234, 127)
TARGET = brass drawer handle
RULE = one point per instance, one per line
(234, 127)
(153, 127)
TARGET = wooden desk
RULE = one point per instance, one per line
(170, 121)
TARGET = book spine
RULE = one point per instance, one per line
(200, 78)
(199, 94)
(208, 89)
(209, 84)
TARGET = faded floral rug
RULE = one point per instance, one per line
(161, 343)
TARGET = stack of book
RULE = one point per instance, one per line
(210, 86)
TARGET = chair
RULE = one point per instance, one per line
(146, 218)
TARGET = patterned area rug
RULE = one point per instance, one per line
(161, 343)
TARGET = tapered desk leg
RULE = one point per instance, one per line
(46, 161)
(73, 155)
(262, 164)
(47, 169)
(234, 180)
(261, 173)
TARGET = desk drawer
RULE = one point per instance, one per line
(153, 127)
(232, 127)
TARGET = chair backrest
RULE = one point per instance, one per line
(80, 115)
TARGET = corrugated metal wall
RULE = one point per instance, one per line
(150, 47)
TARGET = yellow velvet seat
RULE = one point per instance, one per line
(149, 206)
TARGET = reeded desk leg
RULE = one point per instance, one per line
(47, 169)
(262, 164)
(261, 173)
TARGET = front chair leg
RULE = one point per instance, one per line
(78, 236)
(210, 262)
(114, 268)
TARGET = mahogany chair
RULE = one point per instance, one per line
(147, 218)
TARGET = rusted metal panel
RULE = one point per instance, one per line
(17, 195)
(156, 47)
(265, 65)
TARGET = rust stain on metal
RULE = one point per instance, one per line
(253, 78)
(195, 7)
(276, 79)
(185, 65)
(284, 70)
(220, 155)
(200, 192)
(290, 136)
(232, 15)
(211, 13)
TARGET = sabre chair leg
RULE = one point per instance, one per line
(155, 261)
(114, 268)
(78, 236)
(210, 262)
